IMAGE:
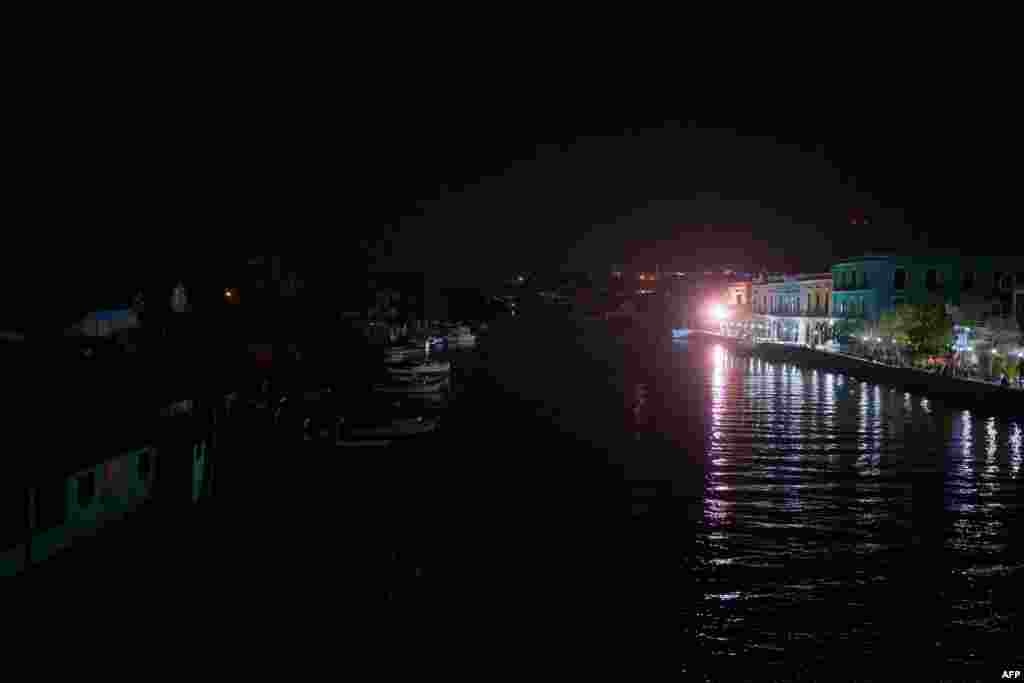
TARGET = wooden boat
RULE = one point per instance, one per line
(417, 386)
(404, 354)
(427, 368)
(389, 429)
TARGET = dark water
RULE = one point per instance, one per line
(793, 524)
(845, 520)
(600, 503)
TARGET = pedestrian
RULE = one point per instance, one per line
(1004, 381)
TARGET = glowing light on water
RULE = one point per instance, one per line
(1016, 436)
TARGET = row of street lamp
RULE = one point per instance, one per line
(720, 313)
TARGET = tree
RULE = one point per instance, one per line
(925, 330)
(850, 327)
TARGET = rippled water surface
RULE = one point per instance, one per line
(825, 525)
(842, 517)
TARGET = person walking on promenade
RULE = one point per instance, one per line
(1020, 371)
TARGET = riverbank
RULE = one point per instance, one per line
(968, 393)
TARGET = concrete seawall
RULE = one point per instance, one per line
(952, 390)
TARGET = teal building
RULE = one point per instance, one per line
(867, 286)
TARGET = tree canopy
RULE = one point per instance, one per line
(924, 329)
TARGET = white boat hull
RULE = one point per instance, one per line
(397, 428)
(411, 387)
(404, 355)
(421, 370)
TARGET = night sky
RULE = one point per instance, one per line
(681, 194)
(151, 186)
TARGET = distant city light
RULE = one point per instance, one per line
(719, 312)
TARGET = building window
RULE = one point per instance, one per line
(900, 279)
(968, 281)
(1007, 282)
(739, 299)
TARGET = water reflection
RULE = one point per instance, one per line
(716, 508)
(1015, 449)
(826, 490)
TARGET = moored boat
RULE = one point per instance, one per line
(388, 429)
(404, 354)
(427, 368)
(414, 386)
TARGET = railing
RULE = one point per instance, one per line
(818, 312)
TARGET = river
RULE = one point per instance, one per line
(612, 502)
(793, 523)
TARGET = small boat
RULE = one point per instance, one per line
(415, 386)
(461, 337)
(394, 428)
(420, 369)
(361, 443)
(404, 354)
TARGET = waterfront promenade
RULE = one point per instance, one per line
(955, 390)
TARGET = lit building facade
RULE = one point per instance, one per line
(738, 294)
(815, 308)
(793, 308)
(777, 308)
